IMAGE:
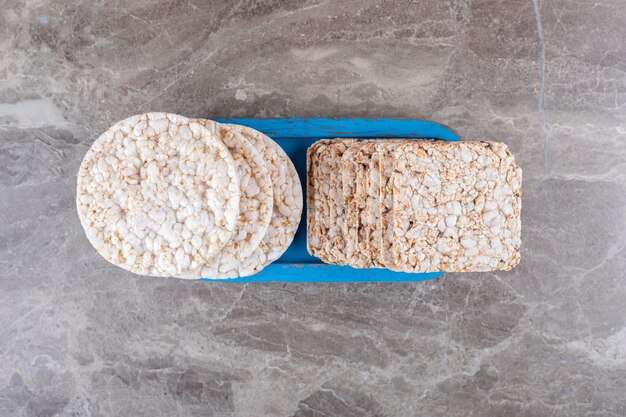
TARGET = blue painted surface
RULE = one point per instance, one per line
(320, 272)
(320, 128)
(295, 135)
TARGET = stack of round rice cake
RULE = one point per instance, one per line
(255, 205)
(414, 205)
(287, 202)
(159, 194)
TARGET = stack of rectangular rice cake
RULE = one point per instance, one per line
(414, 205)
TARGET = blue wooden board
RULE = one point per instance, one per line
(295, 135)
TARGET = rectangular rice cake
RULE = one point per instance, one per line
(337, 250)
(456, 207)
(385, 168)
(375, 233)
(317, 206)
(351, 201)
(368, 196)
(325, 211)
(362, 194)
(311, 244)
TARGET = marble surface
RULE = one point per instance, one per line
(79, 337)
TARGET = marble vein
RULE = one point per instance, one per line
(542, 81)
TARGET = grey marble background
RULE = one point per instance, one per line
(79, 337)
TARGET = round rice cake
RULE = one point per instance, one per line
(287, 204)
(256, 204)
(158, 194)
